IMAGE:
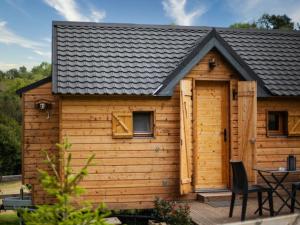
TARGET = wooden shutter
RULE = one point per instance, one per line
(185, 136)
(293, 124)
(122, 125)
(247, 117)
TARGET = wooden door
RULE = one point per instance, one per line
(212, 135)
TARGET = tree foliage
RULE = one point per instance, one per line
(9, 145)
(269, 22)
(11, 113)
(243, 25)
(64, 188)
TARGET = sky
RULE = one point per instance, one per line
(25, 25)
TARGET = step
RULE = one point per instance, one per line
(214, 196)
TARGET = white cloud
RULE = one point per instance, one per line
(7, 66)
(47, 39)
(248, 10)
(70, 11)
(176, 9)
(8, 37)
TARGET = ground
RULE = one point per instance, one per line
(12, 187)
(9, 218)
(6, 188)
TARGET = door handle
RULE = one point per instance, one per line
(225, 134)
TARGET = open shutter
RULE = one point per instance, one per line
(185, 136)
(122, 124)
(247, 117)
(293, 124)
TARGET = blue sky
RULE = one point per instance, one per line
(25, 25)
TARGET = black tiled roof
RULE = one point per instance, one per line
(126, 59)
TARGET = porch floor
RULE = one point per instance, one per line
(205, 214)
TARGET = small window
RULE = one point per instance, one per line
(277, 123)
(143, 124)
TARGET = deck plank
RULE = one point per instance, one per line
(204, 214)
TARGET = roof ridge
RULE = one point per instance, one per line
(175, 27)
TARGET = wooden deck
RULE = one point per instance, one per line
(204, 214)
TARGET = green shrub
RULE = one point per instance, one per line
(64, 188)
(172, 213)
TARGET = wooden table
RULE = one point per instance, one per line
(274, 181)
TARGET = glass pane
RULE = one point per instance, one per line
(273, 123)
(142, 122)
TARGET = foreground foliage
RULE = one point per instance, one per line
(172, 213)
(64, 188)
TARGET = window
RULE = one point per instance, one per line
(143, 124)
(277, 123)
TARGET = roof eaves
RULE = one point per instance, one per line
(33, 85)
(201, 48)
(204, 45)
(54, 58)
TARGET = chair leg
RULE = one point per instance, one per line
(232, 204)
(293, 199)
(259, 199)
(270, 198)
(244, 207)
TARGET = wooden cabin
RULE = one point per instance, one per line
(163, 108)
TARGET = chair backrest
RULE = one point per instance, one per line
(239, 177)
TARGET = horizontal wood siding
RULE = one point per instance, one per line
(273, 151)
(126, 173)
(39, 133)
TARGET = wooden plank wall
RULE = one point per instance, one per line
(38, 133)
(127, 173)
(273, 151)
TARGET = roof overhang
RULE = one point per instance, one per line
(33, 85)
(206, 44)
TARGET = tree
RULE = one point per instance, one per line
(10, 160)
(64, 189)
(23, 70)
(269, 22)
(243, 25)
(12, 73)
(11, 114)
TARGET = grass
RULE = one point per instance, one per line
(9, 218)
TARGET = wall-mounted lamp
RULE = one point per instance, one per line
(44, 106)
(212, 63)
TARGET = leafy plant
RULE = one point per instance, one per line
(64, 188)
(172, 213)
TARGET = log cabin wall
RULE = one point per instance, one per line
(38, 133)
(131, 172)
(272, 152)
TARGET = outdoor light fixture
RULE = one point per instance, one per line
(44, 106)
(212, 63)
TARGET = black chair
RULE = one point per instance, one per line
(295, 187)
(240, 187)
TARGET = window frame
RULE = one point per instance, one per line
(151, 133)
(282, 126)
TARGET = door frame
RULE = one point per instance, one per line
(229, 127)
